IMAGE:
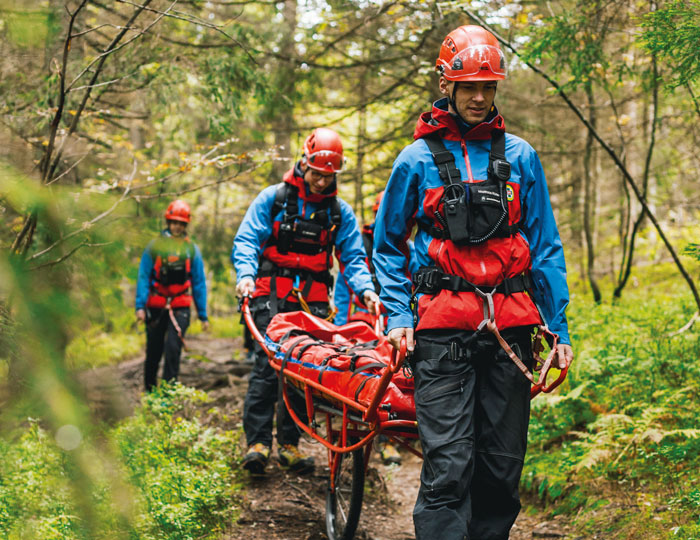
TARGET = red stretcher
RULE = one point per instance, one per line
(354, 386)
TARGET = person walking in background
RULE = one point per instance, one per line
(490, 254)
(283, 253)
(171, 266)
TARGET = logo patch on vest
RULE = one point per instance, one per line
(509, 193)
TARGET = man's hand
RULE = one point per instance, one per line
(205, 326)
(395, 335)
(245, 287)
(141, 314)
(371, 300)
(565, 356)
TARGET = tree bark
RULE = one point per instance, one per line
(285, 83)
(589, 200)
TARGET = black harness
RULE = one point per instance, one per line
(473, 212)
(297, 234)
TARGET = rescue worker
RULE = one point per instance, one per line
(283, 253)
(351, 309)
(490, 254)
(171, 266)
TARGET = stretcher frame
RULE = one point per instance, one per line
(350, 444)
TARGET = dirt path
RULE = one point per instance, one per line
(282, 506)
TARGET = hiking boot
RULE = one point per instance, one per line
(291, 458)
(390, 455)
(256, 458)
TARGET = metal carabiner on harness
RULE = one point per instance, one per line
(489, 310)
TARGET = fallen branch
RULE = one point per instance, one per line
(687, 326)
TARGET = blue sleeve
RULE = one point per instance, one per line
(143, 282)
(391, 231)
(341, 299)
(413, 264)
(351, 252)
(252, 234)
(548, 265)
(199, 284)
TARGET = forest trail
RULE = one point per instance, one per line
(283, 506)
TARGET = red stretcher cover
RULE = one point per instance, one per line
(348, 360)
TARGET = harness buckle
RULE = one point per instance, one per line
(430, 279)
(455, 351)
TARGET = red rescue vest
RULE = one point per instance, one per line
(172, 274)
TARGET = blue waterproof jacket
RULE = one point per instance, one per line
(413, 194)
(258, 226)
(343, 297)
(146, 279)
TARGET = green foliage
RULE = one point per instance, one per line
(182, 468)
(570, 44)
(628, 417)
(180, 477)
(672, 33)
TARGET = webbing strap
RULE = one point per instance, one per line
(432, 280)
(373, 365)
(444, 160)
(285, 360)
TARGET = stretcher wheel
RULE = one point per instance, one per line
(343, 505)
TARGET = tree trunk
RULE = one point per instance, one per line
(589, 199)
(361, 140)
(285, 84)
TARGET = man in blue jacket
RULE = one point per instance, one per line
(170, 266)
(283, 256)
(490, 254)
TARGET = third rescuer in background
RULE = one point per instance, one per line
(486, 239)
(170, 267)
(283, 256)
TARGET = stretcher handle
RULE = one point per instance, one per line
(397, 359)
(398, 356)
(377, 321)
(250, 323)
(541, 385)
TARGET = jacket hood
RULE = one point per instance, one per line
(295, 177)
(441, 121)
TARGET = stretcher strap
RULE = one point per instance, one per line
(286, 358)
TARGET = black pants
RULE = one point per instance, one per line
(473, 410)
(261, 398)
(161, 335)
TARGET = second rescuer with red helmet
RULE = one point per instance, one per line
(490, 254)
(283, 256)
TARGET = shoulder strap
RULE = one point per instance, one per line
(336, 216)
(444, 159)
(499, 168)
(286, 197)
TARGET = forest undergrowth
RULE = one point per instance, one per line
(615, 450)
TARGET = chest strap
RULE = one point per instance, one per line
(268, 269)
(431, 280)
(441, 233)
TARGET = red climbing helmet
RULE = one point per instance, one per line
(377, 201)
(471, 53)
(323, 151)
(178, 211)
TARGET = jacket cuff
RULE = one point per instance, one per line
(399, 321)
